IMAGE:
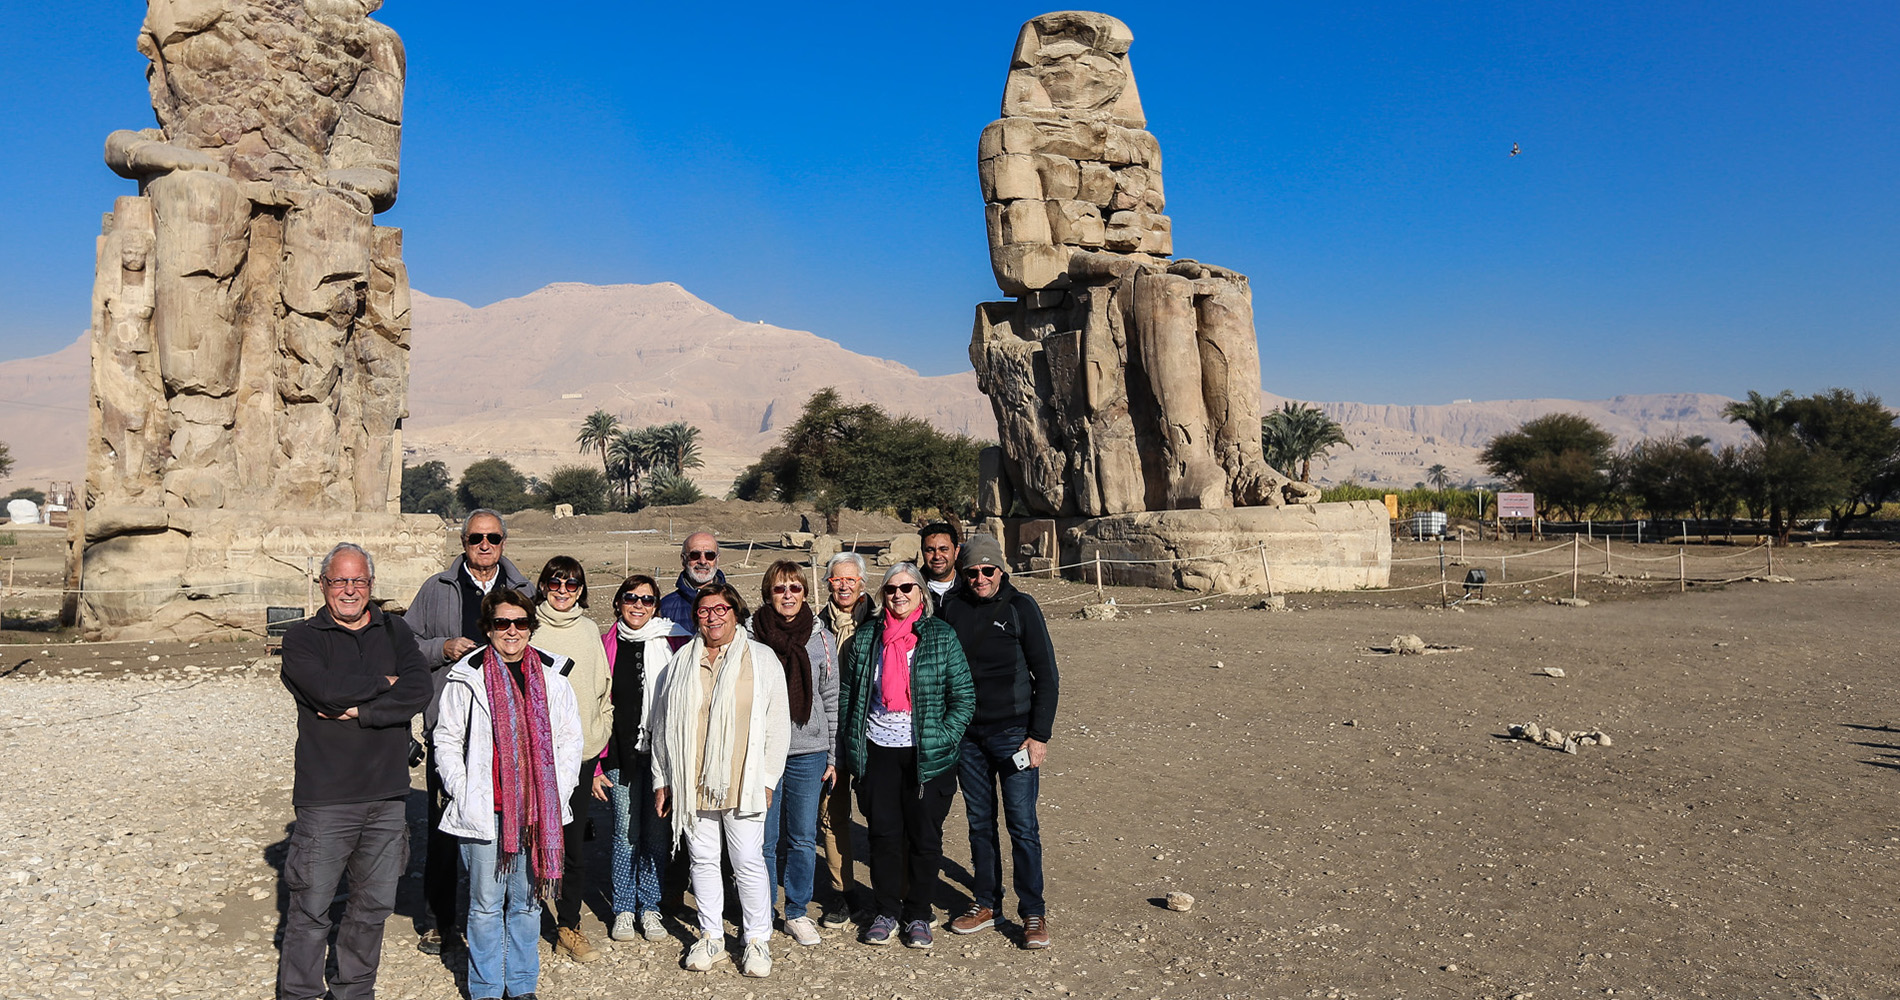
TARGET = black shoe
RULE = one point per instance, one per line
(430, 943)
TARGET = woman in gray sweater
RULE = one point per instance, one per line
(810, 658)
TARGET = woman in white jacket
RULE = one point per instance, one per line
(720, 731)
(508, 748)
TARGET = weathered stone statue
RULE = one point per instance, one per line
(1122, 381)
(250, 321)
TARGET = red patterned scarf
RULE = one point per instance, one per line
(530, 793)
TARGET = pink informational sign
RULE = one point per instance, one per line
(1521, 505)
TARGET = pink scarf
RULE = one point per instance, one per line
(900, 638)
(530, 794)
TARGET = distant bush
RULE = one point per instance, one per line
(493, 483)
(581, 486)
(425, 490)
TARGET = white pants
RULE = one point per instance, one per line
(745, 843)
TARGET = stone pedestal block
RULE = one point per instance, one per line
(149, 572)
(1327, 546)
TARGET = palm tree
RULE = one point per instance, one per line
(679, 444)
(597, 431)
(1765, 415)
(1297, 433)
(635, 453)
(1439, 477)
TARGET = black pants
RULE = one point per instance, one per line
(370, 841)
(905, 821)
(442, 864)
(567, 909)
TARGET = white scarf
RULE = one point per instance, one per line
(682, 716)
(655, 628)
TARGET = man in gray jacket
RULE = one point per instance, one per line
(444, 617)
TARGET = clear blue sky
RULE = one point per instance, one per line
(1708, 197)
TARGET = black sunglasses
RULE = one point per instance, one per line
(493, 537)
(893, 588)
(711, 555)
(647, 599)
(983, 571)
(509, 625)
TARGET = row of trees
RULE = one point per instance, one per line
(496, 484)
(838, 455)
(1834, 452)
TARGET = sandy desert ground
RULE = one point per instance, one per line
(1351, 824)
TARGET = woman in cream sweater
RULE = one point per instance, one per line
(560, 604)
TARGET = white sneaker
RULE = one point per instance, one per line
(626, 927)
(802, 930)
(650, 925)
(708, 952)
(758, 960)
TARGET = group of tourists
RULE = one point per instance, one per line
(726, 740)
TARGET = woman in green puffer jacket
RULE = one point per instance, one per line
(904, 699)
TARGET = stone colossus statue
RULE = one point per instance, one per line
(1122, 380)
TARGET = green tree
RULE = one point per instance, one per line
(1832, 451)
(1563, 458)
(6, 459)
(493, 483)
(582, 486)
(425, 489)
(1295, 434)
(597, 432)
(679, 445)
(670, 489)
(838, 455)
(1439, 477)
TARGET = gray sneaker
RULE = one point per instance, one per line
(881, 931)
(706, 953)
(917, 934)
(650, 927)
(626, 927)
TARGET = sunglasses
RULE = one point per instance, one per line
(570, 585)
(493, 537)
(510, 625)
(647, 599)
(710, 555)
(788, 588)
(983, 571)
(897, 588)
(714, 611)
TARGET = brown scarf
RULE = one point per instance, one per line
(788, 639)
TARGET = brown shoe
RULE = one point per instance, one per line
(974, 919)
(571, 942)
(1035, 932)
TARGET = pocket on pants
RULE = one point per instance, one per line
(297, 861)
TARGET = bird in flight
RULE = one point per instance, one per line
(1514, 149)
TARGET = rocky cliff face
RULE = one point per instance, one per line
(515, 378)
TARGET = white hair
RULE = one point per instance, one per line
(917, 577)
(369, 561)
(845, 557)
(484, 512)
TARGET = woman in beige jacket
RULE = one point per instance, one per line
(560, 603)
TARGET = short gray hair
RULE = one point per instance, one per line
(484, 512)
(369, 561)
(917, 577)
(845, 557)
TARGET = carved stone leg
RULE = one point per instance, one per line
(1165, 324)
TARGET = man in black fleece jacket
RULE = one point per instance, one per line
(357, 678)
(1013, 665)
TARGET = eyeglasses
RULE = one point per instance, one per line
(710, 555)
(510, 625)
(788, 588)
(895, 588)
(347, 583)
(712, 611)
(983, 571)
(493, 537)
(647, 599)
(839, 581)
(570, 585)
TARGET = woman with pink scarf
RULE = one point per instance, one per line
(904, 699)
(508, 747)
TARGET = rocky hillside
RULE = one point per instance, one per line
(515, 378)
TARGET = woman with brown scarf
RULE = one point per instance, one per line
(810, 658)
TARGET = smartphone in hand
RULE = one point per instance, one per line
(1021, 759)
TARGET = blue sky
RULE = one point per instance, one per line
(1707, 199)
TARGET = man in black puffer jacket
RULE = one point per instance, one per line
(1013, 665)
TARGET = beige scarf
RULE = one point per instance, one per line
(682, 714)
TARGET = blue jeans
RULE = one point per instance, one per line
(640, 840)
(791, 831)
(504, 924)
(983, 760)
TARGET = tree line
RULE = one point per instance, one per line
(640, 467)
(1834, 453)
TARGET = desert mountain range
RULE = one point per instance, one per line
(657, 353)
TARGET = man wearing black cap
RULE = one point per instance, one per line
(1014, 667)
